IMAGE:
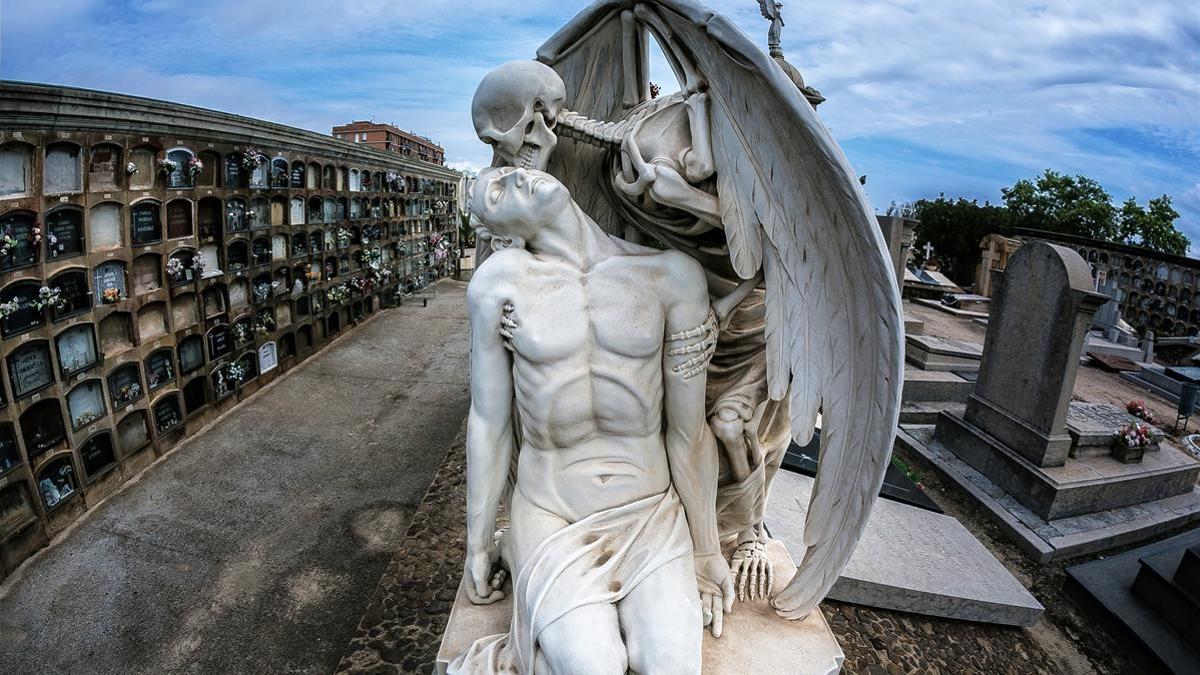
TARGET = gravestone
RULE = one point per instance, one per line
(219, 342)
(268, 358)
(109, 275)
(1031, 353)
(29, 369)
(146, 225)
(85, 403)
(1109, 314)
(76, 349)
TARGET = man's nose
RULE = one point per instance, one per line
(520, 177)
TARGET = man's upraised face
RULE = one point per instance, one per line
(517, 202)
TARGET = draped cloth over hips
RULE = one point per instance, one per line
(597, 560)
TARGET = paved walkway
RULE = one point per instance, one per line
(256, 547)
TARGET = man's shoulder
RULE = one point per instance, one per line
(678, 274)
(497, 273)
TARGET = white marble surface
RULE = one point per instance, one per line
(912, 560)
(756, 640)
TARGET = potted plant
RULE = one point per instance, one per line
(1131, 442)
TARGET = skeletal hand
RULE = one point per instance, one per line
(698, 344)
(752, 568)
(508, 324)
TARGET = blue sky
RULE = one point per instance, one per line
(962, 97)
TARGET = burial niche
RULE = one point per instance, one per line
(212, 262)
(152, 322)
(259, 213)
(16, 168)
(296, 177)
(208, 214)
(312, 177)
(279, 247)
(142, 163)
(10, 456)
(235, 215)
(147, 273)
(239, 293)
(261, 251)
(76, 349)
(181, 267)
(63, 170)
(125, 385)
(234, 177)
(109, 280)
(19, 308)
(64, 233)
(42, 428)
(116, 333)
(145, 223)
(73, 294)
(16, 508)
(181, 167)
(214, 302)
(279, 173)
(238, 256)
(248, 363)
(166, 414)
(185, 311)
(85, 403)
(98, 455)
(299, 244)
(306, 337)
(220, 342)
(18, 244)
(104, 168)
(278, 211)
(258, 176)
(191, 354)
(195, 396)
(222, 384)
(132, 432)
(268, 357)
(56, 482)
(296, 211)
(287, 346)
(160, 369)
(179, 219)
(211, 169)
(105, 227)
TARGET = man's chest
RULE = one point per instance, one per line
(562, 314)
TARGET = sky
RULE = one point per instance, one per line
(961, 97)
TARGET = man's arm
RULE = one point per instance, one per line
(489, 435)
(691, 448)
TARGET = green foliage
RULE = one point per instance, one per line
(1053, 202)
(955, 228)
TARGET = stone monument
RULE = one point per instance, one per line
(630, 407)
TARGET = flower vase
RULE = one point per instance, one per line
(1125, 454)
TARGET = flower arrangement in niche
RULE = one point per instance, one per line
(1135, 435)
(311, 274)
(343, 237)
(252, 158)
(1139, 410)
(111, 295)
(265, 323)
(9, 308)
(131, 168)
(241, 331)
(53, 241)
(194, 167)
(175, 269)
(167, 166)
(236, 372)
(35, 234)
(128, 392)
(87, 418)
(7, 242)
(199, 264)
(49, 297)
(338, 294)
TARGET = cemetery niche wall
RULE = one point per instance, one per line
(152, 275)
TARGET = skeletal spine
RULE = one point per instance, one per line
(606, 134)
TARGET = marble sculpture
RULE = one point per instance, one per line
(630, 406)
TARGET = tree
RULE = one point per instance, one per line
(1152, 227)
(1057, 202)
(955, 228)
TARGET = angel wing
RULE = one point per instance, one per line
(767, 7)
(790, 205)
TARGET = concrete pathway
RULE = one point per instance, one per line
(256, 547)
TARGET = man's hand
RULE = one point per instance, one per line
(484, 577)
(716, 590)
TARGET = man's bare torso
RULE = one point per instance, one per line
(588, 375)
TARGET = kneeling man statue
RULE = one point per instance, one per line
(588, 419)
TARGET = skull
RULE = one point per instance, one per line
(515, 109)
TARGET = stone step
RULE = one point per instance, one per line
(913, 326)
(1154, 586)
(927, 412)
(1188, 574)
(934, 385)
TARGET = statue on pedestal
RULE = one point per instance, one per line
(679, 378)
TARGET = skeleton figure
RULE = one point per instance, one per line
(736, 171)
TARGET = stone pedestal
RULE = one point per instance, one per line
(756, 639)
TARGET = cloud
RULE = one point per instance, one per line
(926, 97)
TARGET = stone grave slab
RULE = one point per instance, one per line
(1092, 427)
(896, 485)
(1051, 539)
(1184, 373)
(756, 639)
(953, 311)
(911, 560)
(929, 352)
(1112, 363)
(934, 385)
(913, 326)
(1109, 591)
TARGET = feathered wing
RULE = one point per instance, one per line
(834, 325)
(790, 205)
(601, 56)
